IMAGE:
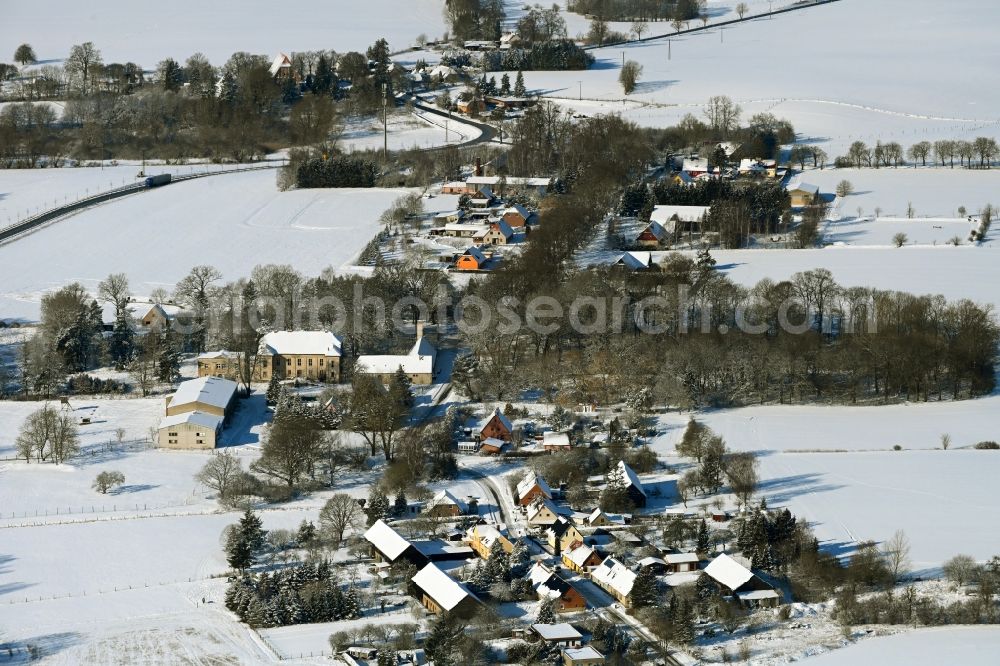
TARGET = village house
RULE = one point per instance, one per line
(681, 562)
(740, 582)
(388, 545)
(495, 426)
(616, 579)
(695, 166)
(548, 585)
(582, 558)
(440, 593)
(472, 259)
(683, 178)
(542, 512)
(563, 535)
(582, 656)
(756, 168)
(652, 235)
(453, 187)
(634, 261)
(801, 194)
(417, 364)
(509, 40)
(532, 487)
(679, 219)
(482, 538)
(560, 635)
(633, 487)
(516, 215)
(495, 233)
(470, 107)
(281, 68)
(556, 441)
(598, 518)
(445, 505)
(153, 316)
(461, 230)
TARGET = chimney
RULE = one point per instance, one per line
(420, 329)
(479, 166)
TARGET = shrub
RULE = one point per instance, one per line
(992, 446)
(107, 480)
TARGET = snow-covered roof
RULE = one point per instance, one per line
(494, 442)
(280, 61)
(634, 260)
(463, 228)
(529, 482)
(757, 595)
(386, 540)
(698, 164)
(139, 309)
(503, 227)
(682, 578)
(541, 503)
(728, 572)
(563, 631)
(285, 343)
(615, 575)
(486, 534)
(582, 653)
(214, 391)
(210, 421)
(799, 186)
(595, 514)
(500, 415)
(657, 229)
(442, 588)
(681, 558)
(665, 214)
(649, 561)
(519, 209)
(445, 498)
(222, 353)
(580, 554)
(630, 476)
(475, 253)
(542, 582)
(444, 71)
(555, 439)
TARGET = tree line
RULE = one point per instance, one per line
(980, 153)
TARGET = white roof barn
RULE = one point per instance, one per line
(635, 260)
(561, 632)
(665, 215)
(386, 540)
(799, 186)
(419, 360)
(210, 421)
(214, 391)
(728, 572)
(280, 62)
(442, 588)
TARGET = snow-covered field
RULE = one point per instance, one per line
(835, 467)
(969, 646)
(233, 222)
(876, 89)
(219, 29)
(417, 130)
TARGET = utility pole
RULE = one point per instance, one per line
(581, 89)
(385, 123)
(669, 49)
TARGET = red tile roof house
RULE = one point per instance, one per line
(495, 426)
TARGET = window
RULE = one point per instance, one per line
(288, 361)
(321, 362)
(200, 441)
(298, 361)
(171, 441)
(171, 434)
(310, 363)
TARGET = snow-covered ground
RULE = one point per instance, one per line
(218, 30)
(969, 646)
(835, 467)
(233, 222)
(876, 89)
(416, 130)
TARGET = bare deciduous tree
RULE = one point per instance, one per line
(340, 513)
(221, 473)
(107, 480)
(896, 552)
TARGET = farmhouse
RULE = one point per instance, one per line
(445, 505)
(496, 233)
(531, 488)
(679, 219)
(281, 68)
(390, 546)
(633, 487)
(472, 259)
(439, 593)
(616, 579)
(801, 194)
(555, 441)
(495, 426)
(534, 186)
(152, 316)
(542, 512)
(516, 215)
(305, 354)
(582, 558)
(681, 562)
(634, 261)
(190, 430)
(562, 635)
(417, 364)
(758, 168)
(548, 585)
(742, 583)
(652, 235)
(582, 656)
(483, 537)
(562, 535)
